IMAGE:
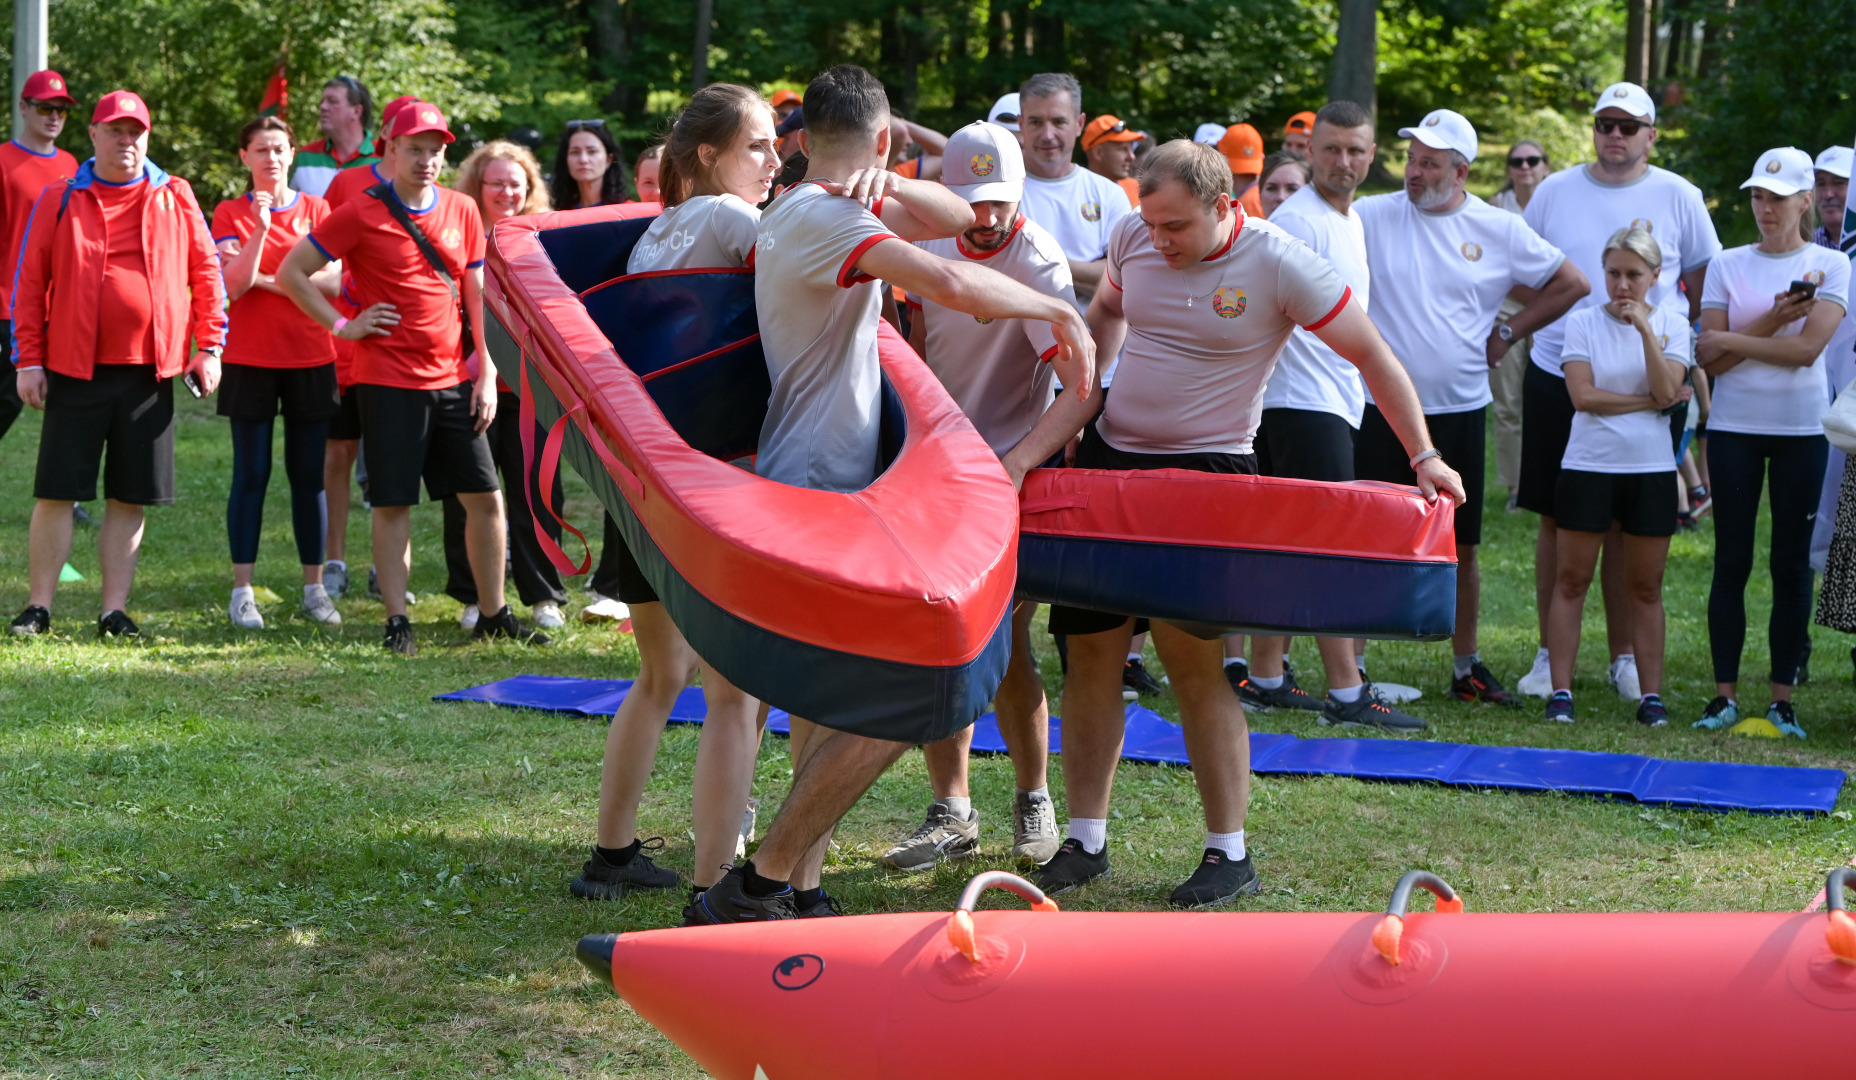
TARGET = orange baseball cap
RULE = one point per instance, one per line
(47, 86)
(1243, 147)
(785, 97)
(418, 117)
(121, 105)
(1301, 123)
(1106, 128)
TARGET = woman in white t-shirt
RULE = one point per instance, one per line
(718, 163)
(1767, 312)
(1624, 363)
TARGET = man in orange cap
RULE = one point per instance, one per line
(28, 163)
(784, 102)
(1243, 148)
(1108, 146)
(1297, 132)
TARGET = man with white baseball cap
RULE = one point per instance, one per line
(1577, 210)
(1209, 134)
(1005, 112)
(995, 371)
(1832, 170)
(1441, 261)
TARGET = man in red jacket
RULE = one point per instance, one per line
(117, 274)
(27, 164)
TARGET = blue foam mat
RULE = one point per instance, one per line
(1701, 785)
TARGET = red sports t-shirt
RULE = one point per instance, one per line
(424, 351)
(349, 183)
(23, 174)
(263, 328)
(126, 308)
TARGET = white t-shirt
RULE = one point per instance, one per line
(1309, 375)
(1080, 211)
(1756, 398)
(1577, 214)
(1636, 442)
(818, 318)
(707, 230)
(1441, 278)
(1202, 341)
(995, 369)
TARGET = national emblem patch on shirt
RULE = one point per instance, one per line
(451, 237)
(1092, 211)
(1472, 251)
(1645, 224)
(1229, 302)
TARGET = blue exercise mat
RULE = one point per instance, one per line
(1150, 737)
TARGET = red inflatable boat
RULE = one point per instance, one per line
(1048, 995)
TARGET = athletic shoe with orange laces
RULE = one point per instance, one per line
(1482, 685)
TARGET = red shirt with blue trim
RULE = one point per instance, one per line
(264, 328)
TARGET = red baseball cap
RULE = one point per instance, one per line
(121, 105)
(418, 117)
(393, 109)
(47, 86)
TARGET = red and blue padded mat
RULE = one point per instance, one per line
(1217, 553)
(880, 612)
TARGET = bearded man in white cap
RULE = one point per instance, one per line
(1577, 210)
(1441, 261)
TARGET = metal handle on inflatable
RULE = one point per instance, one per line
(1842, 932)
(960, 928)
(1391, 929)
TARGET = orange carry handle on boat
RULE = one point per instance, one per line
(960, 925)
(1630, 995)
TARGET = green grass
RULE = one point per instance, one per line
(240, 855)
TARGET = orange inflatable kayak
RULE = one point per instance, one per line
(1028, 995)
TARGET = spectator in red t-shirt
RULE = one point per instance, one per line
(27, 164)
(116, 275)
(421, 417)
(276, 357)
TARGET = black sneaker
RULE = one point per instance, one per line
(1238, 674)
(1136, 677)
(1482, 685)
(602, 880)
(399, 636)
(117, 624)
(826, 907)
(1070, 867)
(504, 624)
(1559, 707)
(82, 516)
(691, 915)
(1289, 695)
(1651, 712)
(727, 901)
(1217, 881)
(33, 621)
(1369, 710)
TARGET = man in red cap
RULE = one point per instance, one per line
(1108, 147)
(28, 164)
(1242, 146)
(117, 273)
(421, 416)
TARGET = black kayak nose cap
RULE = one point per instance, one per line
(595, 951)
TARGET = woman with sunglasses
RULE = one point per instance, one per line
(1768, 311)
(587, 169)
(29, 163)
(1528, 165)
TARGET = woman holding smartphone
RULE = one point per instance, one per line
(1768, 311)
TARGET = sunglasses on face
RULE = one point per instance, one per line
(46, 108)
(1527, 162)
(1626, 128)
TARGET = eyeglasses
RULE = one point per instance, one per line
(583, 125)
(1626, 128)
(46, 108)
(1527, 162)
(505, 185)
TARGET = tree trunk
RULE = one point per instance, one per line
(699, 58)
(1354, 74)
(611, 49)
(1638, 36)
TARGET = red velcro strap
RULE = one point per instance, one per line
(1073, 500)
(541, 494)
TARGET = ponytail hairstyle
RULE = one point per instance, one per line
(715, 118)
(253, 128)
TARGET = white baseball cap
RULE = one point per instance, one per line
(1786, 170)
(983, 164)
(1209, 134)
(1630, 97)
(1835, 161)
(1443, 129)
(1005, 113)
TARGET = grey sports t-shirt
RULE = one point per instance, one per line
(708, 230)
(818, 322)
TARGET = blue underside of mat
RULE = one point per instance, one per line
(1699, 785)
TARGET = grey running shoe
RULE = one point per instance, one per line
(1289, 695)
(941, 836)
(1034, 829)
(321, 608)
(1238, 675)
(602, 880)
(1369, 710)
(335, 579)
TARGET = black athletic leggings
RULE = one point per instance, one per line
(1738, 465)
(304, 444)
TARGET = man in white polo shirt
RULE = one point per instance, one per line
(1576, 210)
(1199, 299)
(1078, 207)
(995, 371)
(1442, 261)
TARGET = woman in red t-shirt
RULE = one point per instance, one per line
(276, 359)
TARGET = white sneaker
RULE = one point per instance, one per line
(319, 607)
(1538, 682)
(548, 616)
(468, 620)
(604, 609)
(244, 611)
(1624, 677)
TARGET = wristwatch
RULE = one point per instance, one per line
(217, 352)
(1504, 331)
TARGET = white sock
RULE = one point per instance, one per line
(1541, 656)
(1465, 662)
(1092, 833)
(1231, 843)
(1347, 695)
(1268, 682)
(1621, 657)
(338, 563)
(961, 806)
(242, 592)
(1229, 660)
(1040, 793)
(1134, 656)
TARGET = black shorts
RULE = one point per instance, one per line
(1546, 424)
(346, 423)
(1461, 437)
(412, 434)
(305, 395)
(617, 574)
(1303, 444)
(1094, 453)
(1644, 504)
(124, 407)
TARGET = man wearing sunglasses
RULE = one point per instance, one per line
(28, 163)
(1576, 210)
(343, 114)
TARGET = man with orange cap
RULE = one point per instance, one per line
(1243, 148)
(1298, 131)
(28, 163)
(1108, 147)
(784, 102)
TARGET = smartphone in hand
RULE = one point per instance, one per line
(1804, 290)
(192, 382)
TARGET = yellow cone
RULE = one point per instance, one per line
(1757, 727)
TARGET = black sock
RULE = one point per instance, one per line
(760, 887)
(619, 856)
(805, 898)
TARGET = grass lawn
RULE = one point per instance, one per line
(228, 854)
